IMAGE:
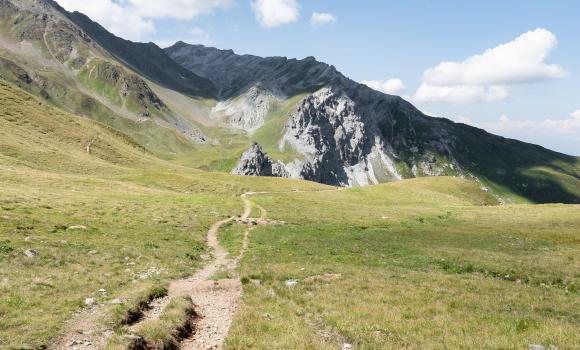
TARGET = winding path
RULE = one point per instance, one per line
(215, 301)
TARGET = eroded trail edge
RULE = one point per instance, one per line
(216, 301)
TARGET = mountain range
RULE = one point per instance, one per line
(214, 110)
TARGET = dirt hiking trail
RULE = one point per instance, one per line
(215, 300)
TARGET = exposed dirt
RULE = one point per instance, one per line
(215, 301)
(85, 331)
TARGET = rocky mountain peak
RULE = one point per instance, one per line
(234, 74)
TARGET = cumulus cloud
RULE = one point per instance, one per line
(319, 19)
(391, 86)
(274, 13)
(133, 19)
(461, 93)
(178, 9)
(567, 126)
(488, 76)
(112, 16)
(199, 36)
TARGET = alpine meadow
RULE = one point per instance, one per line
(189, 197)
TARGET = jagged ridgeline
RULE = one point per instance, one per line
(216, 110)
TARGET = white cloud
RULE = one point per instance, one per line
(112, 16)
(319, 19)
(178, 9)
(199, 36)
(133, 19)
(391, 86)
(559, 134)
(488, 76)
(460, 93)
(274, 13)
(567, 126)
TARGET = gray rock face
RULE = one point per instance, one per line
(347, 133)
(255, 162)
(340, 130)
(343, 142)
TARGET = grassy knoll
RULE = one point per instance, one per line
(420, 264)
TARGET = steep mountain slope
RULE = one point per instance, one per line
(46, 53)
(35, 135)
(234, 74)
(147, 59)
(344, 133)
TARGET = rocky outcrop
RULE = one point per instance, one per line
(255, 162)
(344, 133)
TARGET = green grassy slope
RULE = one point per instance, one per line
(515, 170)
(51, 59)
(527, 171)
(36, 135)
(424, 263)
(116, 218)
(418, 264)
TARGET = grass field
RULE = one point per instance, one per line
(420, 264)
(431, 263)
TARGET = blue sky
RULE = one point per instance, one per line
(512, 66)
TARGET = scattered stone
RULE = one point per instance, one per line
(291, 283)
(256, 282)
(117, 301)
(28, 239)
(77, 227)
(5, 217)
(536, 347)
(93, 252)
(90, 301)
(268, 316)
(31, 253)
(329, 277)
(103, 291)
(347, 346)
(153, 271)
